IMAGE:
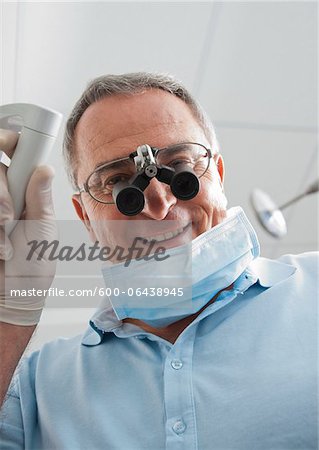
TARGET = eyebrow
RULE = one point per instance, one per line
(113, 165)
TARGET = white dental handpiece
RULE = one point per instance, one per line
(40, 127)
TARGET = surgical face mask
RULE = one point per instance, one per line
(162, 292)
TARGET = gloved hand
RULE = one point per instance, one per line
(37, 222)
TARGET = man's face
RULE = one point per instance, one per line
(114, 127)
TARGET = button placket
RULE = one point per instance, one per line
(179, 403)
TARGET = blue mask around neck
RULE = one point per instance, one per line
(199, 270)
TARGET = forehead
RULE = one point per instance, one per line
(114, 126)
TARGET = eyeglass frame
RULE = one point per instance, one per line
(85, 187)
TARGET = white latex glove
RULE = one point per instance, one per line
(37, 223)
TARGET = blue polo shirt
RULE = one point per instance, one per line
(241, 376)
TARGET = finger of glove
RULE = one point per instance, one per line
(39, 203)
(6, 250)
(8, 142)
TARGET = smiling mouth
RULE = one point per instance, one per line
(168, 235)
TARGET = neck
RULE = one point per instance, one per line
(172, 331)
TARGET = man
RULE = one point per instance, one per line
(234, 372)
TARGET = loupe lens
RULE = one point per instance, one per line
(185, 184)
(129, 199)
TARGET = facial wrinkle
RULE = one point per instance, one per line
(133, 135)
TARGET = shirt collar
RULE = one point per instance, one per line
(268, 273)
(103, 321)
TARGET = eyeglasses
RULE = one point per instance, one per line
(100, 183)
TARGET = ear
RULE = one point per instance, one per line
(220, 167)
(82, 214)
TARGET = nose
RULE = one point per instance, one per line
(159, 200)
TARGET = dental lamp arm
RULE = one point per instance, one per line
(312, 189)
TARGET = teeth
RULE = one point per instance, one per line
(165, 236)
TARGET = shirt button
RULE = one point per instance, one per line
(179, 427)
(176, 364)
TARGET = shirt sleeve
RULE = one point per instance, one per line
(11, 423)
(19, 413)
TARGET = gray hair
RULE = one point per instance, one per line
(128, 84)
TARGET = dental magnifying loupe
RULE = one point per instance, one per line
(270, 215)
(129, 195)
